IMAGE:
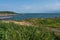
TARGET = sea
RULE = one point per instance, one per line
(23, 16)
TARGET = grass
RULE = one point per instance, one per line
(47, 22)
(11, 31)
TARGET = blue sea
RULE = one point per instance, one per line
(34, 15)
(31, 15)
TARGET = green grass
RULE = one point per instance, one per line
(7, 12)
(11, 31)
(47, 22)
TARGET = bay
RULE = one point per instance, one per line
(35, 15)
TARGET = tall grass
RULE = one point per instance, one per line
(47, 22)
(11, 31)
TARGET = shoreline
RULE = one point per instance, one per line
(7, 14)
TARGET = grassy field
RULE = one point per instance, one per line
(47, 22)
(12, 31)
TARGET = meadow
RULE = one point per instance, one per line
(46, 22)
(12, 31)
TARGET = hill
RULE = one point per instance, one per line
(7, 12)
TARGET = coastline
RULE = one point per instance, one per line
(7, 14)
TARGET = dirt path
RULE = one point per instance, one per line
(20, 23)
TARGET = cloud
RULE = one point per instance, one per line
(42, 8)
(52, 5)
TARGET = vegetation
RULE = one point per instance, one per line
(7, 12)
(46, 22)
(11, 31)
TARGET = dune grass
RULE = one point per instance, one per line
(47, 22)
(11, 31)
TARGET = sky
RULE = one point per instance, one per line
(30, 6)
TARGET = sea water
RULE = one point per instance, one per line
(35, 15)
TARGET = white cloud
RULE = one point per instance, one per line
(41, 8)
(54, 6)
(33, 8)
